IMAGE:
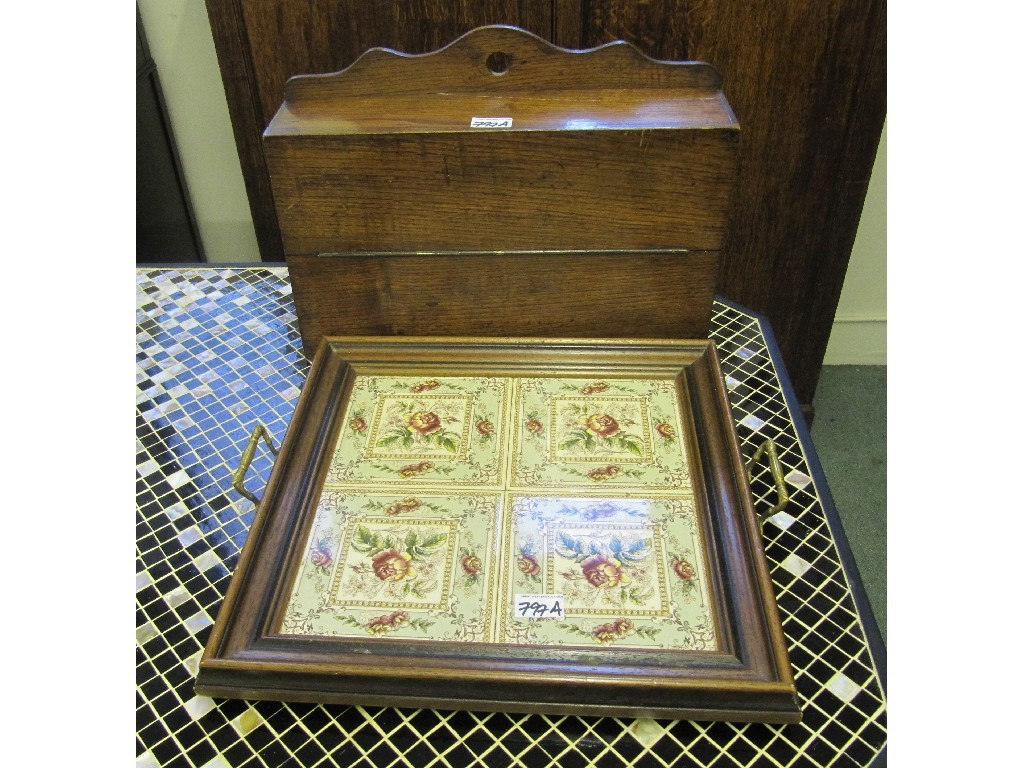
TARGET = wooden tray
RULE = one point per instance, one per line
(557, 525)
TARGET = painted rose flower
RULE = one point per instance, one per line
(358, 425)
(607, 633)
(597, 386)
(424, 422)
(392, 565)
(623, 626)
(471, 564)
(405, 505)
(602, 424)
(603, 473)
(485, 427)
(412, 470)
(665, 430)
(384, 624)
(424, 386)
(321, 555)
(604, 572)
(683, 569)
(527, 564)
(534, 427)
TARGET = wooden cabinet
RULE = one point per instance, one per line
(806, 80)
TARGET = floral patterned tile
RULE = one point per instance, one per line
(411, 537)
(444, 431)
(416, 567)
(631, 572)
(583, 433)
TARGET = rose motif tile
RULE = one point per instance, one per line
(435, 431)
(588, 434)
(412, 540)
(417, 567)
(631, 571)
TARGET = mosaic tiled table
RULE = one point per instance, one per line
(218, 353)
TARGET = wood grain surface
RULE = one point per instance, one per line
(749, 679)
(806, 79)
(665, 295)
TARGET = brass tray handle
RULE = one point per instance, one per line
(238, 479)
(768, 446)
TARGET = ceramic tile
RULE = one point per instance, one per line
(416, 567)
(427, 431)
(582, 433)
(422, 565)
(632, 572)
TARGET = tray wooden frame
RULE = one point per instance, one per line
(749, 680)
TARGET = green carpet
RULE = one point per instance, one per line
(849, 434)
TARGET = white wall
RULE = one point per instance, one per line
(181, 43)
(182, 46)
(859, 331)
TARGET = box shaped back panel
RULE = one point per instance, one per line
(502, 185)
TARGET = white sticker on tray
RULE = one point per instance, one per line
(539, 606)
(490, 122)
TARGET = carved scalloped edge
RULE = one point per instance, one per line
(535, 65)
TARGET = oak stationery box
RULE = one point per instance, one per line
(502, 186)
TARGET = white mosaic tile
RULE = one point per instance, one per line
(199, 706)
(183, 423)
(843, 687)
(798, 479)
(796, 565)
(142, 580)
(146, 468)
(646, 731)
(176, 511)
(752, 422)
(176, 597)
(145, 633)
(207, 560)
(781, 520)
(190, 536)
(198, 621)
(247, 722)
(192, 663)
(178, 479)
